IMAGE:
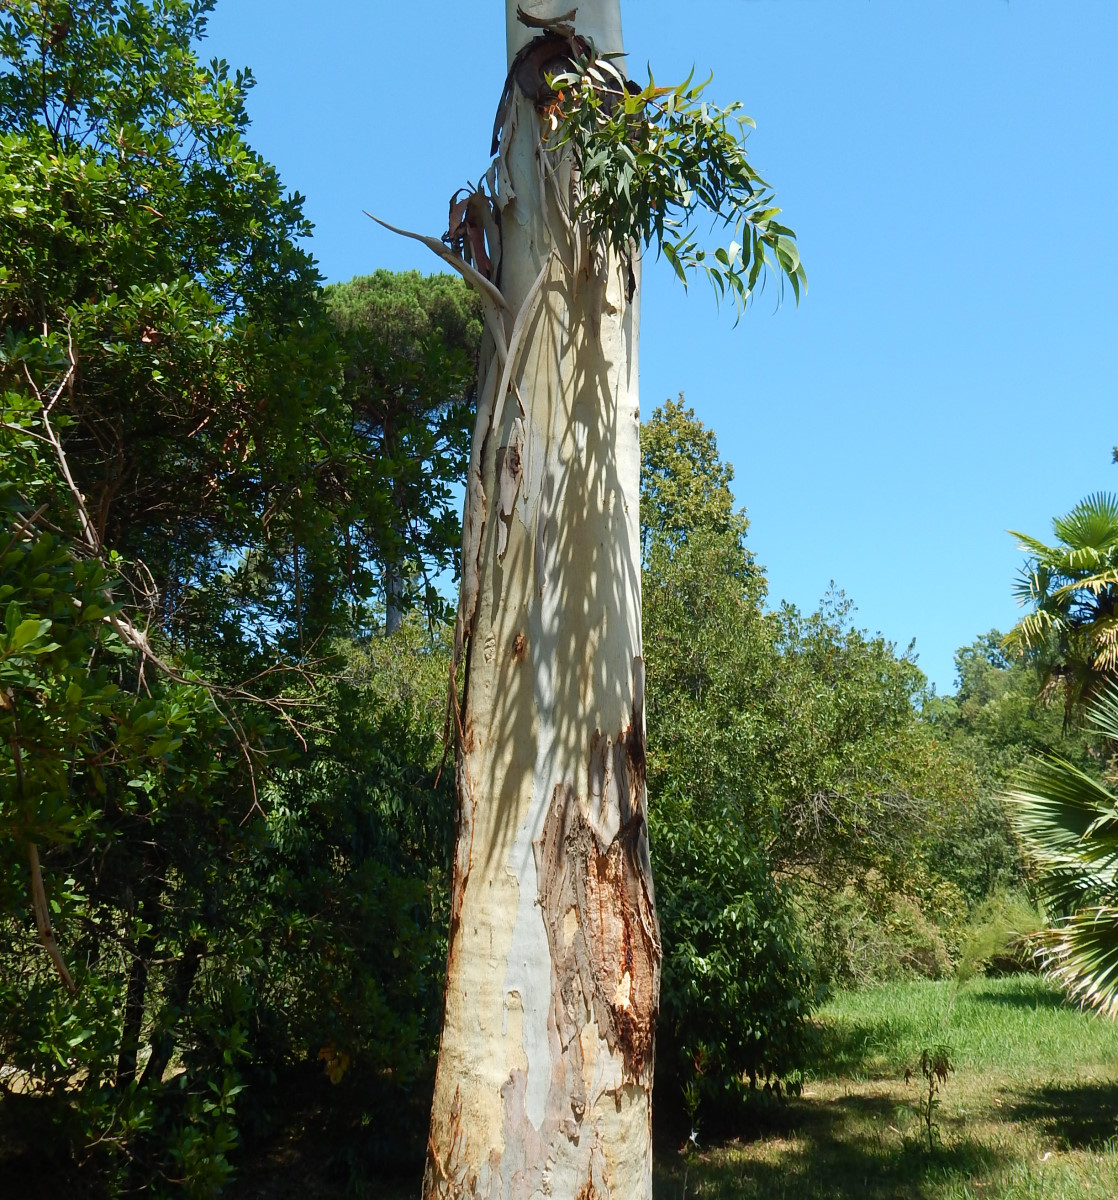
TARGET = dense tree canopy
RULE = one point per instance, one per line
(410, 362)
(228, 850)
(810, 824)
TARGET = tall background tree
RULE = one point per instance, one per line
(410, 348)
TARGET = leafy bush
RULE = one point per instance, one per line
(735, 989)
(221, 861)
(854, 939)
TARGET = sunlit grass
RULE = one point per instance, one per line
(1020, 1024)
(1031, 1110)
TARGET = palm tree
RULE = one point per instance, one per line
(1072, 633)
(1069, 823)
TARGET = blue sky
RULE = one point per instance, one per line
(951, 169)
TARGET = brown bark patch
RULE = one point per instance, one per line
(520, 648)
(450, 1177)
(601, 925)
(510, 470)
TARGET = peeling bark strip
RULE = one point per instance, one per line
(510, 471)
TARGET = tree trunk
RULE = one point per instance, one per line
(545, 1067)
(136, 996)
(393, 590)
(178, 993)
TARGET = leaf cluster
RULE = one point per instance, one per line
(653, 162)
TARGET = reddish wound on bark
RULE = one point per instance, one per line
(606, 962)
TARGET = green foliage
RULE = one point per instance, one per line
(735, 990)
(935, 1066)
(1071, 635)
(349, 886)
(811, 822)
(1069, 823)
(998, 935)
(241, 857)
(653, 161)
(147, 245)
(996, 717)
(409, 345)
(799, 805)
(685, 486)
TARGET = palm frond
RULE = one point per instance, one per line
(1069, 823)
(1067, 820)
(1093, 522)
(1104, 713)
(1096, 584)
(1041, 551)
(1081, 953)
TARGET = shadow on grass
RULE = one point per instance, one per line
(1077, 1116)
(859, 1048)
(831, 1150)
(1026, 995)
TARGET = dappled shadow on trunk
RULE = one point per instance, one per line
(546, 1053)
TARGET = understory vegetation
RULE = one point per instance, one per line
(228, 535)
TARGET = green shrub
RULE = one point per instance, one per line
(735, 992)
(855, 938)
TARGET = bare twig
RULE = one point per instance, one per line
(137, 639)
(42, 918)
(23, 527)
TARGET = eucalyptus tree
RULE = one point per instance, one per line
(410, 358)
(545, 1067)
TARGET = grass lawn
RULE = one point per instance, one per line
(1031, 1109)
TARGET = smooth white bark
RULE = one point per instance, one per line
(545, 1067)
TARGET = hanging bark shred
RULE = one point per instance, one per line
(473, 232)
(563, 24)
(551, 53)
(510, 471)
